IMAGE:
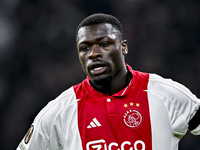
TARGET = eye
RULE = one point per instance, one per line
(84, 48)
(104, 44)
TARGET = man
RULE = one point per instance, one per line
(115, 107)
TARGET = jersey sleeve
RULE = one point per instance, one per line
(182, 105)
(46, 132)
(194, 124)
(33, 140)
(41, 131)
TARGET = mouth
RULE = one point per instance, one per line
(97, 69)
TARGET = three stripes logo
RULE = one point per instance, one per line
(94, 123)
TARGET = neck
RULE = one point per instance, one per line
(119, 82)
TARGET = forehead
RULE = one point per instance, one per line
(92, 32)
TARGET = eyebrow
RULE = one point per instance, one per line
(97, 39)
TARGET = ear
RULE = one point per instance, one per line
(124, 47)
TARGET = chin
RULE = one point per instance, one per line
(102, 80)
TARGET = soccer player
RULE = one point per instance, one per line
(115, 107)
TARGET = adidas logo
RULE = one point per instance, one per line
(94, 123)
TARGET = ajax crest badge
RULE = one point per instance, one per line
(132, 118)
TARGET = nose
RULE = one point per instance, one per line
(95, 52)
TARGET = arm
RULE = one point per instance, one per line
(33, 140)
(194, 123)
(183, 105)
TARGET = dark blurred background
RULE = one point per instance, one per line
(38, 55)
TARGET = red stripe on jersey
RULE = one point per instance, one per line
(115, 122)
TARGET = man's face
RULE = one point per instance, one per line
(101, 51)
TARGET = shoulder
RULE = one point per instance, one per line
(48, 124)
(174, 95)
(52, 110)
(178, 101)
(168, 88)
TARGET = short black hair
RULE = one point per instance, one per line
(99, 18)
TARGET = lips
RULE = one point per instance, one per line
(97, 68)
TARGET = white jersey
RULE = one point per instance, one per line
(151, 113)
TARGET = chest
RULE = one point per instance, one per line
(115, 123)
